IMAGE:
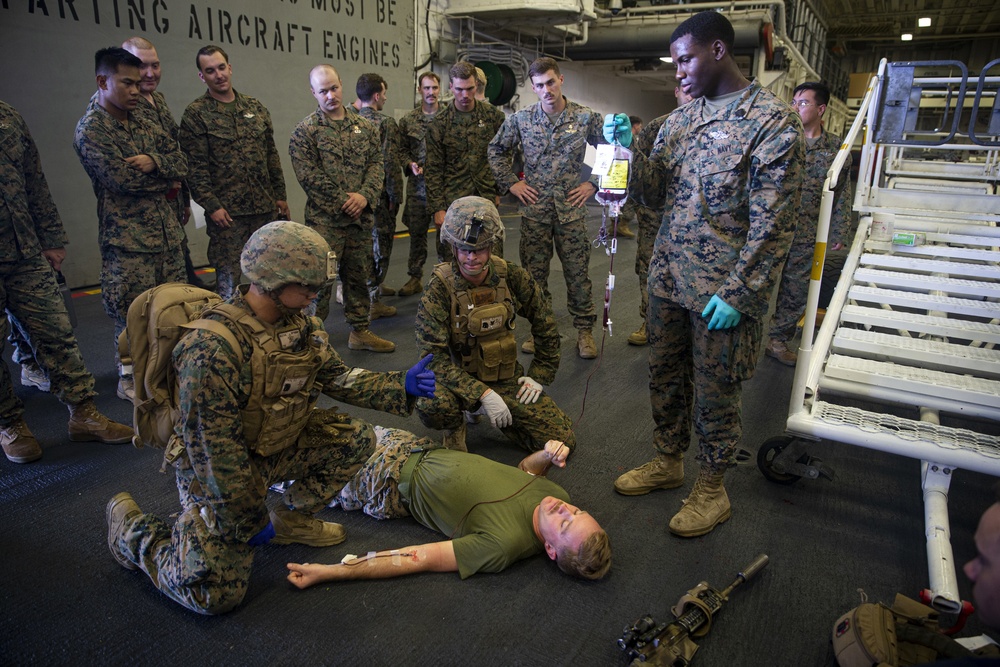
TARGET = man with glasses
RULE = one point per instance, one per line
(810, 100)
(466, 320)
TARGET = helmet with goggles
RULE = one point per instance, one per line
(472, 223)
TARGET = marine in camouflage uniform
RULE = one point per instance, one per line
(235, 168)
(31, 245)
(457, 142)
(392, 195)
(794, 286)
(727, 177)
(138, 231)
(413, 129)
(203, 562)
(732, 182)
(152, 102)
(331, 159)
(648, 220)
(553, 147)
(460, 391)
(158, 112)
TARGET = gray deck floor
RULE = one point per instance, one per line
(63, 600)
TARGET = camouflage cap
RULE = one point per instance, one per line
(472, 223)
(282, 252)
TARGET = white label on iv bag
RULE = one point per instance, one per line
(605, 155)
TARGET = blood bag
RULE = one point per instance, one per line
(612, 189)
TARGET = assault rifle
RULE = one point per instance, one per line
(673, 643)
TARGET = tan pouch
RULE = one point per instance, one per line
(490, 356)
(485, 320)
(866, 636)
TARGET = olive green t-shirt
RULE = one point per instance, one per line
(446, 484)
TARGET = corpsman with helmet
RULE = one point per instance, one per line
(248, 420)
(466, 321)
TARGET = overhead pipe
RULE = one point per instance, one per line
(646, 40)
(695, 7)
(611, 45)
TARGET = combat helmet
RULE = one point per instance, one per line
(472, 223)
(282, 252)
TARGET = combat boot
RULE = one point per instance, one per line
(86, 423)
(638, 337)
(585, 344)
(528, 346)
(19, 444)
(456, 439)
(624, 231)
(126, 388)
(366, 340)
(666, 471)
(412, 286)
(386, 291)
(379, 309)
(705, 507)
(291, 527)
(778, 349)
(121, 509)
(33, 376)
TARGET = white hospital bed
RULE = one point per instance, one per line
(915, 327)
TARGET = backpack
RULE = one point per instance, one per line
(906, 633)
(157, 319)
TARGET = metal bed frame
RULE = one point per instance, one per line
(910, 325)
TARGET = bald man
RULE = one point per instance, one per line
(984, 569)
(337, 157)
(153, 105)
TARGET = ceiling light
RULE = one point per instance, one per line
(906, 37)
(666, 59)
(924, 22)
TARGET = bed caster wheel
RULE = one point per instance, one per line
(784, 460)
(765, 461)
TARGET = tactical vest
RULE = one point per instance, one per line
(284, 388)
(482, 325)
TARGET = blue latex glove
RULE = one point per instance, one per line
(263, 537)
(420, 379)
(723, 315)
(618, 126)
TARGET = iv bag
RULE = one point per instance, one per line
(612, 189)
